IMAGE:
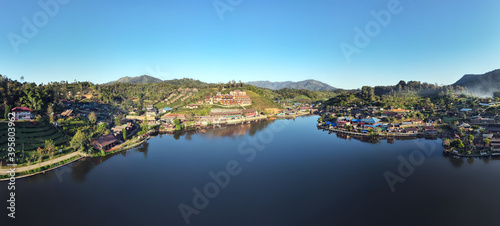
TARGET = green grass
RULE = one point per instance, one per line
(260, 103)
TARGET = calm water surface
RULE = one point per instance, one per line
(294, 174)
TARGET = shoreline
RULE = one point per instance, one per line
(234, 123)
(43, 171)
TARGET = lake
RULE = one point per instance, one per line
(285, 172)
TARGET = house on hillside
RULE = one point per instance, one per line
(430, 130)
(117, 130)
(171, 117)
(22, 113)
(192, 106)
(105, 142)
(238, 93)
(68, 113)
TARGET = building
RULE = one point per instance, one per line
(430, 130)
(105, 142)
(411, 130)
(495, 145)
(166, 109)
(22, 113)
(238, 93)
(493, 128)
(249, 112)
(243, 100)
(304, 108)
(209, 100)
(228, 102)
(191, 106)
(370, 121)
(117, 130)
(68, 113)
(171, 117)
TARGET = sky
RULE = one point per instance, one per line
(344, 43)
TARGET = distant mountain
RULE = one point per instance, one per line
(306, 84)
(482, 84)
(185, 81)
(143, 79)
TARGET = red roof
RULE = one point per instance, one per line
(21, 109)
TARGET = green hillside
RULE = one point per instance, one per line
(31, 135)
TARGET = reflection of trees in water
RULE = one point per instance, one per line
(238, 130)
(144, 147)
(81, 168)
(177, 135)
(455, 161)
(459, 161)
(226, 131)
(79, 171)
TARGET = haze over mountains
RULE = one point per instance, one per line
(481, 84)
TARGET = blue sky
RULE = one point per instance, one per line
(100, 41)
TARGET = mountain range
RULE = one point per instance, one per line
(477, 84)
(309, 84)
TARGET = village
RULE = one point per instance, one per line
(86, 125)
(465, 132)
(123, 129)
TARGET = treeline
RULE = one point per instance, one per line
(288, 93)
(187, 83)
(15, 93)
(423, 89)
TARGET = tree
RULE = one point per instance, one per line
(124, 132)
(50, 114)
(470, 138)
(178, 125)
(79, 141)
(487, 141)
(496, 94)
(457, 143)
(7, 111)
(92, 118)
(118, 120)
(49, 146)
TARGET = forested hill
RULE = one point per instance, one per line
(143, 79)
(146, 79)
(481, 84)
(310, 84)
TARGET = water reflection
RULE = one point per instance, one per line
(80, 169)
(457, 162)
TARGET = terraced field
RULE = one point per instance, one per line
(32, 134)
